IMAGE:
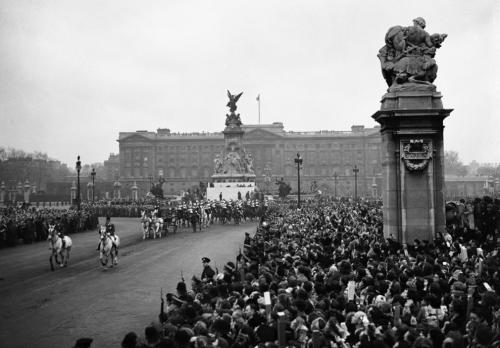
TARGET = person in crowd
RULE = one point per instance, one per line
(208, 273)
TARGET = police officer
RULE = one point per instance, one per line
(207, 275)
(193, 218)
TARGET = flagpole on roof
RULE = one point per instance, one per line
(258, 102)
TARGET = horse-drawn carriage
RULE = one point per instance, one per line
(153, 225)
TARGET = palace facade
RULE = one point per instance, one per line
(184, 160)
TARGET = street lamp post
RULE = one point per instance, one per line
(335, 176)
(92, 174)
(298, 161)
(355, 170)
(78, 169)
(150, 182)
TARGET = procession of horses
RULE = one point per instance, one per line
(156, 223)
(198, 215)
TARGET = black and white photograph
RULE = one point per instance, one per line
(262, 174)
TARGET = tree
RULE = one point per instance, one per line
(489, 170)
(157, 191)
(283, 188)
(453, 165)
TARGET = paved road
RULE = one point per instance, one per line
(53, 309)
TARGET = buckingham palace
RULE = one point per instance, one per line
(183, 160)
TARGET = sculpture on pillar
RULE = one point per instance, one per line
(233, 98)
(407, 59)
(233, 119)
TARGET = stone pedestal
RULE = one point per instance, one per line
(89, 191)
(116, 190)
(27, 192)
(413, 174)
(135, 196)
(374, 188)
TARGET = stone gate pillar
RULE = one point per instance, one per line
(27, 192)
(89, 192)
(411, 118)
(19, 190)
(116, 190)
(135, 196)
(413, 174)
(2, 193)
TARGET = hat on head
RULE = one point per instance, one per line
(205, 259)
(230, 266)
(181, 287)
(83, 342)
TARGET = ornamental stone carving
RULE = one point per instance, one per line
(416, 154)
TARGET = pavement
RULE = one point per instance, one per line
(53, 309)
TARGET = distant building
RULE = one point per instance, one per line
(468, 186)
(111, 167)
(38, 172)
(186, 159)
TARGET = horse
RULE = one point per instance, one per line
(145, 223)
(109, 247)
(157, 226)
(204, 218)
(56, 246)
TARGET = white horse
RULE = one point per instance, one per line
(204, 218)
(108, 248)
(157, 226)
(57, 248)
(145, 224)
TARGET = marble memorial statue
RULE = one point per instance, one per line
(234, 160)
(217, 164)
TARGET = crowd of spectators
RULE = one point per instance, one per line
(30, 224)
(325, 276)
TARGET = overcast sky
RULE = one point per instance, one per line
(73, 74)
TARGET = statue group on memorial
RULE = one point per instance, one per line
(407, 59)
(233, 162)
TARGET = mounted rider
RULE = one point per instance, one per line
(60, 230)
(110, 229)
